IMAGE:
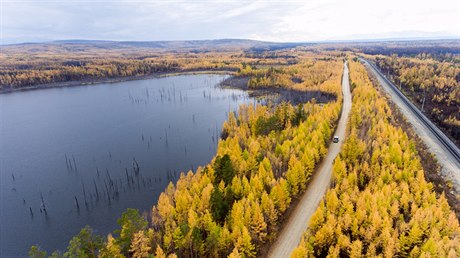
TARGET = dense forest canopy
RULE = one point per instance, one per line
(381, 204)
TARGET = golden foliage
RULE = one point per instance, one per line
(381, 204)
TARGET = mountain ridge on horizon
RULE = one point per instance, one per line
(223, 41)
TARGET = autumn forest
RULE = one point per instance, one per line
(381, 200)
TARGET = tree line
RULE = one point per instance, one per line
(308, 74)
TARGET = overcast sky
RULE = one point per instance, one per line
(309, 20)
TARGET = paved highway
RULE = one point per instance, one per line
(446, 152)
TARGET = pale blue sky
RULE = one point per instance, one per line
(313, 20)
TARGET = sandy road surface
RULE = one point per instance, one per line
(297, 223)
(426, 130)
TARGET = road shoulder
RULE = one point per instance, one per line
(437, 167)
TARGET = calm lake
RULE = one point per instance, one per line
(115, 145)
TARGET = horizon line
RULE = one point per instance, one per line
(361, 40)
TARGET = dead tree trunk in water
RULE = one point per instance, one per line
(97, 192)
(43, 203)
(76, 202)
(84, 194)
(74, 163)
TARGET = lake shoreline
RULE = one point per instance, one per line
(89, 153)
(233, 82)
(277, 94)
(111, 80)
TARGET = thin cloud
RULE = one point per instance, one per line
(34, 20)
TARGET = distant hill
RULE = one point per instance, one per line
(184, 45)
(102, 47)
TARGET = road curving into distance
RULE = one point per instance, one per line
(446, 152)
(292, 232)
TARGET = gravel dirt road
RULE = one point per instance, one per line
(298, 221)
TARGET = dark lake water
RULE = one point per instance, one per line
(129, 139)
